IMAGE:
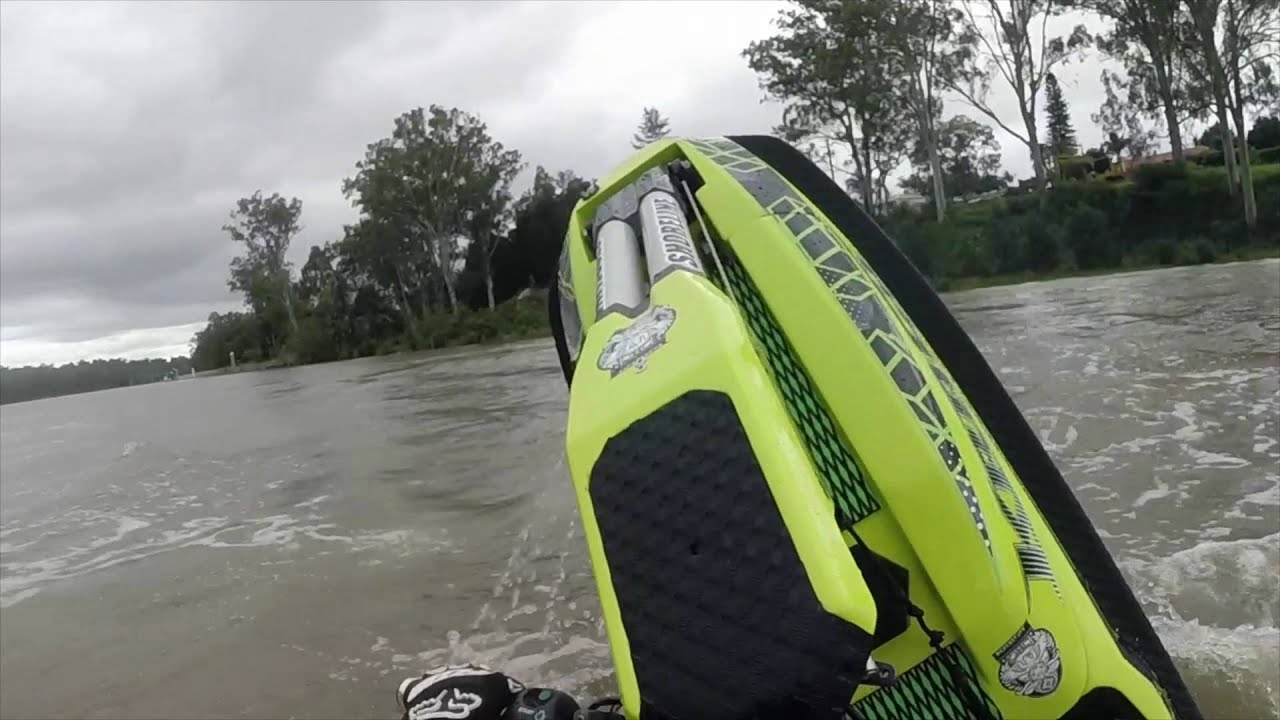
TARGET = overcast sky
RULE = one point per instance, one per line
(128, 130)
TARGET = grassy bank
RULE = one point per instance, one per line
(1163, 215)
(243, 367)
(1244, 254)
(514, 320)
(364, 332)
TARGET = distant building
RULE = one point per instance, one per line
(1161, 158)
(912, 200)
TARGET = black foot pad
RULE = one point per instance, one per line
(722, 621)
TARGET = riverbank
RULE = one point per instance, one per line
(526, 319)
(1162, 215)
(521, 318)
(1245, 254)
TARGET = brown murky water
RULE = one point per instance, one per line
(287, 544)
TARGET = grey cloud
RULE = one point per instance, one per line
(129, 130)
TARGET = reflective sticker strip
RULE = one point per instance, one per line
(861, 294)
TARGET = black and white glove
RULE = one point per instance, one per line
(458, 692)
(474, 692)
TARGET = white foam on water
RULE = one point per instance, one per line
(1270, 497)
(1092, 464)
(1217, 607)
(1052, 418)
(1218, 378)
(312, 502)
(9, 599)
(1190, 430)
(1232, 670)
(1206, 458)
(1160, 491)
(122, 545)
(1135, 445)
(1263, 443)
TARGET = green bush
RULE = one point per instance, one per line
(1229, 232)
(1109, 198)
(1075, 167)
(1088, 238)
(1212, 159)
(1205, 251)
(1154, 177)
(1267, 193)
(1217, 159)
(910, 238)
(1046, 244)
(1166, 214)
(312, 343)
(1178, 201)
(1198, 252)
(1006, 237)
(1269, 155)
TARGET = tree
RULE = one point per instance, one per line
(490, 209)
(970, 158)
(1200, 46)
(1144, 38)
(1211, 137)
(653, 127)
(1265, 133)
(224, 334)
(832, 65)
(1062, 136)
(1023, 57)
(1115, 145)
(1122, 121)
(528, 257)
(375, 253)
(1238, 72)
(265, 226)
(1251, 28)
(423, 182)
(1101, 159)
(33, 382)
(922, 36)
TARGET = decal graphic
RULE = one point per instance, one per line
(862, 295)
(450, 704)
(1029, 663)
(632, 345)
(661, 217)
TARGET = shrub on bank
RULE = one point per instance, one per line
(1164, 214)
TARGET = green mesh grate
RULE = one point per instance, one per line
(845, 482)
(928, 692)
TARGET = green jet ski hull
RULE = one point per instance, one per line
(804, 492)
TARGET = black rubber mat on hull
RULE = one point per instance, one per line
(720, 616)
(1002, 417)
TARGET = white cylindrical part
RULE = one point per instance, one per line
(622, 281)
(668, 244)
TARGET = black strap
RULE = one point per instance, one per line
(960, 677)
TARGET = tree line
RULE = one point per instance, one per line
(439, 247)
(872, 77)
(36, 382)
(869, 86)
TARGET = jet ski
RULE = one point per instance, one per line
(804, 492)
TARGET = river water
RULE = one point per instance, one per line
(290, 543)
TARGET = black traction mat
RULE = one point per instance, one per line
(720, 616)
